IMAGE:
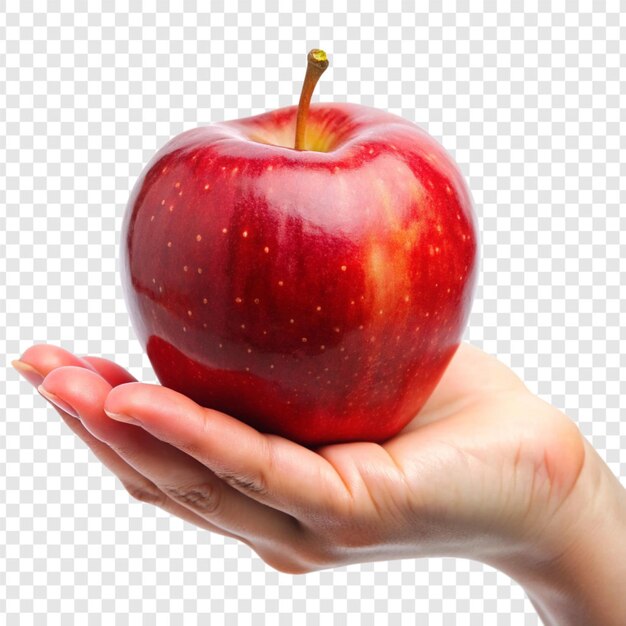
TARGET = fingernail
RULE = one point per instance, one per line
(122, 417)
(58, 402)
(28, 372)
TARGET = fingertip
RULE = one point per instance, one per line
(73, 380)
(44, 358)
(58, 402)
(127, 398)
(28, 372)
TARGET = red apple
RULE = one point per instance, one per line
(315, 293)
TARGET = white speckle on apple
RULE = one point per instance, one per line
(224, 230)
(407, 298)
(180, 193)
(184, 329)
(171, 208)
(280, 283)
(371, 151)
(344, 268)
(198, 237)
(449, 190)
(238, 300)
(189, 313)
(177, 184)
(361, 327)
(154, 281)
(436, 249)
(271, 366)
(256, 301)
(265, 332)
(318, 308)
(235, 170)
(266, 250)
(204, 301)
(292, 321)
(380, 312)
(342, 349)
(372, 339)
(220, 345)
(243, 326)
(199, 270)
(164, 170)
(152, 218)
(163, 202)
(249, 350)
(448, 290)
(185, 268)
(337, 329)
(247, 369)
(304, 339)
(160, 289)
(207, 187)
(223, 167)
(458, 216)
(270, 168)
(322, 347)
(169, 244)
(439, 228)
(244, 234)
(204, 325)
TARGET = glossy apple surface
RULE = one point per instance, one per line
(316, 294)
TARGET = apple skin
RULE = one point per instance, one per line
(315, 294)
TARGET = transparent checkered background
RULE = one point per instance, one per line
(531, 103)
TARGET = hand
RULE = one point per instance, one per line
(478, 464)
(486, 471)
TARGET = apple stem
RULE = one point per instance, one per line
(317, 62)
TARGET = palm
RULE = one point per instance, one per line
(481, 449)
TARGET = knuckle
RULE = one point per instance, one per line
(246, 483)
(144, 492)
(203, 497)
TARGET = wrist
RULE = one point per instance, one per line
(576, 575)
